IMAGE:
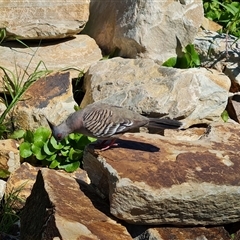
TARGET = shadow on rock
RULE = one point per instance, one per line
(133, 145)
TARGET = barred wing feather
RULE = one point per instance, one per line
(101, 123)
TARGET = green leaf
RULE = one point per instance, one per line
(171, 62)
(65, 141)
(4, 173)
(225, 116)
(42, 134)
(39, 143)
(67, 147)
(64, 153)
(47, 150)
(91, 139)
(230, 8)
(18, 134)
(2, 34)
(38, 152)
(75, 154)
(182, 62)
(35, 148)
(76, 107)
(54, 164)
(55, 144)
(40, 156)
(193, 55)
(52, 157)
(86, 140)
(71, 167)
(25, 149)
(28, 136)
(75, 136)
(189, 59)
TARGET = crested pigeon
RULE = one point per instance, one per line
(104, 121)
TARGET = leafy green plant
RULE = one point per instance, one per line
(13, 88)
(226, 13)
(8, 214)
(189, 59)
(225, 116)
(4, 174)
(41, 146)
(2, 34)
(15, 84)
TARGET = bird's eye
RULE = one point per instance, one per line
(59, 136)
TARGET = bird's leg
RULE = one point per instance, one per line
(112, 143)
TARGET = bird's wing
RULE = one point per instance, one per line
(105, 123)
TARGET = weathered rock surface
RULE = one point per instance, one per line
(2, 188)
(21, 182)
(9, 156)
(77, 53)
(2, 108)
(210, 25)
(49, 97)
(64, 207)
(173, 233)
(23, 179)
(61, 187)
(220, 52)
(151, 179)
(43, 19)
(160, 27)
(144, 86)
(233, 108)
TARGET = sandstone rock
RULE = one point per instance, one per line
(23, 179)
(237, 236)
(160, 27)
(196, 233)
(9, 155)
(151, 179)
(43, 19)
(211, 47)
(232, 70)
(146, 87)
(233, 108)
(213, 51)
(66, 210)
(75, 54)
(210, 25)
(21, 182)
(49, 97)
(2, 188)
(190, 134)
(2, 108)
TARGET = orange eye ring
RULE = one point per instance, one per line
(59, 136)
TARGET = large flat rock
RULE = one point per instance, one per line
(153, 29)
(60, 207)
(197, 94)
(41, 19)
(152, 179)
(49, 97)
(73, 54)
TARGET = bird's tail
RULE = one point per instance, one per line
(164, 123)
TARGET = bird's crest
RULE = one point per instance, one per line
(51, 125)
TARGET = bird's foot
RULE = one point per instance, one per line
(104, 146)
